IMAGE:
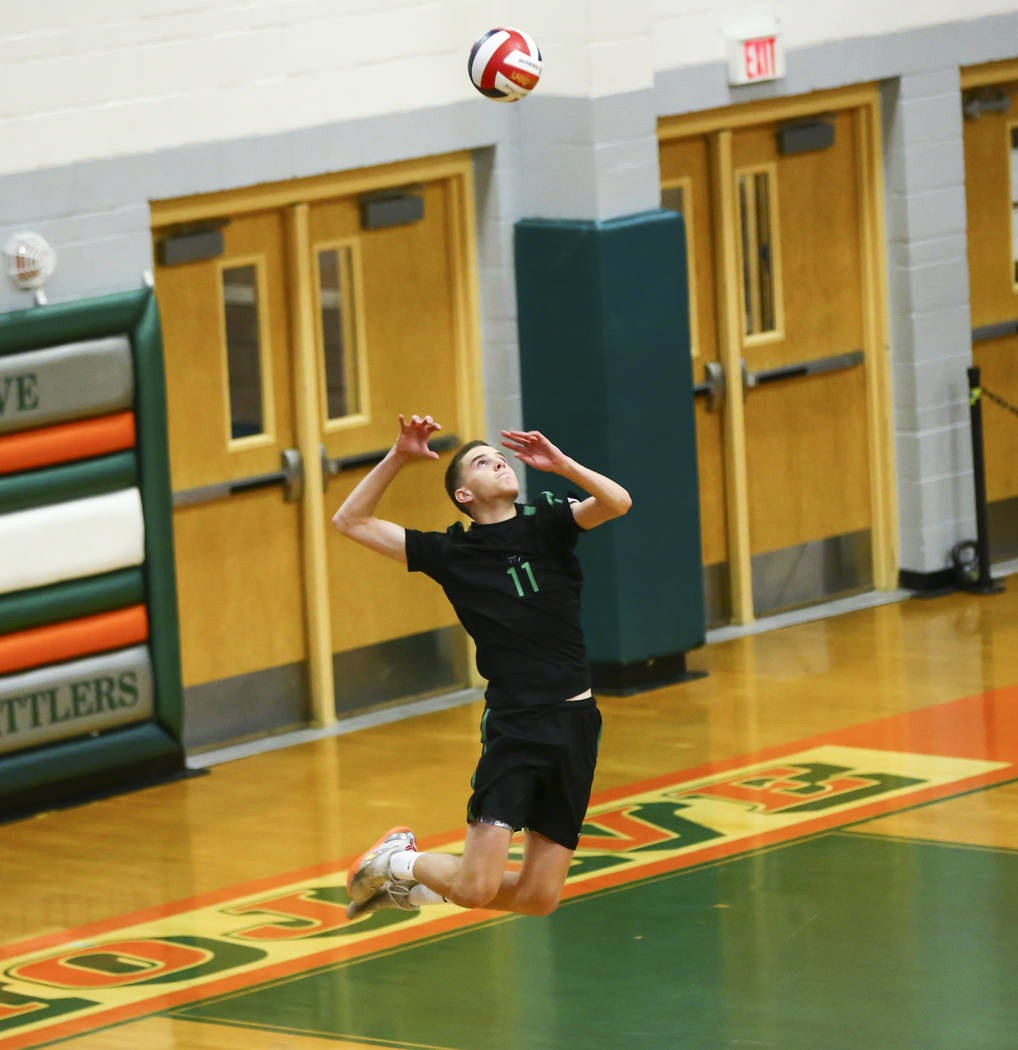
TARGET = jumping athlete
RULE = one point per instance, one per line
(514, 582)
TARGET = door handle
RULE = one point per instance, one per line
(293, 475)
(713, 387)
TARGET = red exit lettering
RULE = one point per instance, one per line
(759, 56)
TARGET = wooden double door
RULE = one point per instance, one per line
(783, 227)
(990, 131)
(299, 321)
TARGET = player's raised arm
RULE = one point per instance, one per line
(356, 517)
(607, 499)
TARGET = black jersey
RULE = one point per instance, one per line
(515, 586)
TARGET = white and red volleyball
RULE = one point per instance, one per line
(505, 64)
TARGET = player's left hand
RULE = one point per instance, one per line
(534, 449)
(414, 434)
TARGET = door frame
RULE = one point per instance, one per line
(718, 126)
(295, 196)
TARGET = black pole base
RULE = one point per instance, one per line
(640, 676)
(987, 587)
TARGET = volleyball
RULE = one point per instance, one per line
(505, 64)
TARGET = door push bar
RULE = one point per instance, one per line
(994, 331)
(291, 475)
(818, 366)
(332, 467)
(713, 387)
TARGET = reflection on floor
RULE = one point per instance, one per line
(814, 846)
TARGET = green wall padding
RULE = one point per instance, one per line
(68, 322)
(87, 477)
(71, 599)
(157, 509)
(49, 773)
(606, 375)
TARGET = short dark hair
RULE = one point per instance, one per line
(453, 476)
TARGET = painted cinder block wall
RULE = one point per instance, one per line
(106, 105)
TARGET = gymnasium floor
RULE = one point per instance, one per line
(815, 846)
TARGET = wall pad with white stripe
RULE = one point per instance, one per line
(65, 541)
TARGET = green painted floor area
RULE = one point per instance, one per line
(842, 941)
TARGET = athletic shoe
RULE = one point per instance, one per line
(370, 871)
(392, 895)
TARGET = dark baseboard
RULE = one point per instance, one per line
(82, 790)
(928, 584)
(640, 676)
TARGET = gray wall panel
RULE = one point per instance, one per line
(65, 382)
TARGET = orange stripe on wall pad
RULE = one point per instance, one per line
(64, 641)
(29, 449)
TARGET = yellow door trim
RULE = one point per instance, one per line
(989, 73)
(729, 312)
(707, 121)
(467, 324)
(467, 311)
(777, 333)
(355, 335)
(306, 427)
(685, 184)
(876, 349)
(317, 187)
(265, 353)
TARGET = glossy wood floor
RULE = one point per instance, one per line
(291, 809)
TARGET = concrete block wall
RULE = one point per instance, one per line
(496, 186)
(930, 323)
(130, 101)
(690, 33)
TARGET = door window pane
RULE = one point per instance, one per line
(757, 237)
(243, 350)
(339, 332)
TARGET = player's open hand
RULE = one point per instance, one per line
(534, 449)
(414, 434)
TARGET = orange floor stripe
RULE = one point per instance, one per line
(276, 927)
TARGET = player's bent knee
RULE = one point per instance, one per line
(538, 903)
(471, 897)
(477, 893)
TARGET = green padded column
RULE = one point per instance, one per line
(157, 508)
(606, 374)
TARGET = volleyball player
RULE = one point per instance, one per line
(514, 582)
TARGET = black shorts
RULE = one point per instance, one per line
(536, 768)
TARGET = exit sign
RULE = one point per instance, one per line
(752, 59)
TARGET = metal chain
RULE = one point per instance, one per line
(999, 400)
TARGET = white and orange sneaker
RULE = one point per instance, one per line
(370, 871)
(393, 894)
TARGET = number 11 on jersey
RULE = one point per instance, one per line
(511, 571)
